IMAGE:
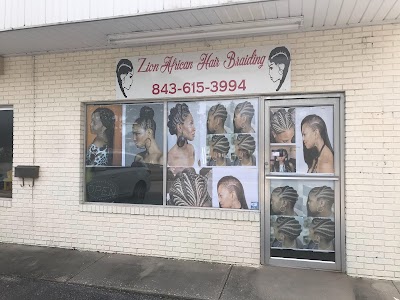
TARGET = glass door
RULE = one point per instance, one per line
(303, 209)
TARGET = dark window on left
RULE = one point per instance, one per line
(6, 152)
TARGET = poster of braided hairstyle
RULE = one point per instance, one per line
(286, 232)
(283, 200)
(219, 147)
(315, 139)
(320, 202)
(235, 187)
(217, 116)
(321, 234)
(189, 189)
(244, 120)
(186, 138)
(143, 133)
(282, 125)
(245, 148)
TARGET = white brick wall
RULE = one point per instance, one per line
(364, 62)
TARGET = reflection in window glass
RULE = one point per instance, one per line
(124, 158)
(6, 153)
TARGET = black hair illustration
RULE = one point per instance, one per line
(280, 56)
(124, 67)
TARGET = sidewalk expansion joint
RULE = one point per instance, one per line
(226, 280)
(88, 266)
(395, 286)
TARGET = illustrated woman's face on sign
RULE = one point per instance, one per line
(187, 128)
(309, 136)
(275, 71)
(140, 135)
(96, 126)
(127, 80)
(278, 65)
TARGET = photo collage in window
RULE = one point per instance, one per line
(302, 211)
(211, 158)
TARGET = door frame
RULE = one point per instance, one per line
(339, 147)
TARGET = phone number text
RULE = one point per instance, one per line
(199, 87)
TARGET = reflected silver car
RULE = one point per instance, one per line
(118, 184)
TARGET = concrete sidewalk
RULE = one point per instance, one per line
(185, 279)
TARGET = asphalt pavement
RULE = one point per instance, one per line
(31, 272)
(16, 288)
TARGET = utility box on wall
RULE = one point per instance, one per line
(27, 171)
(1, 65)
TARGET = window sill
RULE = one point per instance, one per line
(170, 211)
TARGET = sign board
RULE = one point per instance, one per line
(223, 72)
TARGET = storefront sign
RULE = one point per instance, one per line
(224, 72)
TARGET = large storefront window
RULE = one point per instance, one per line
(207, 151)
(6, 152)
(124, 153)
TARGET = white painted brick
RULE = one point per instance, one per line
(362, 61)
